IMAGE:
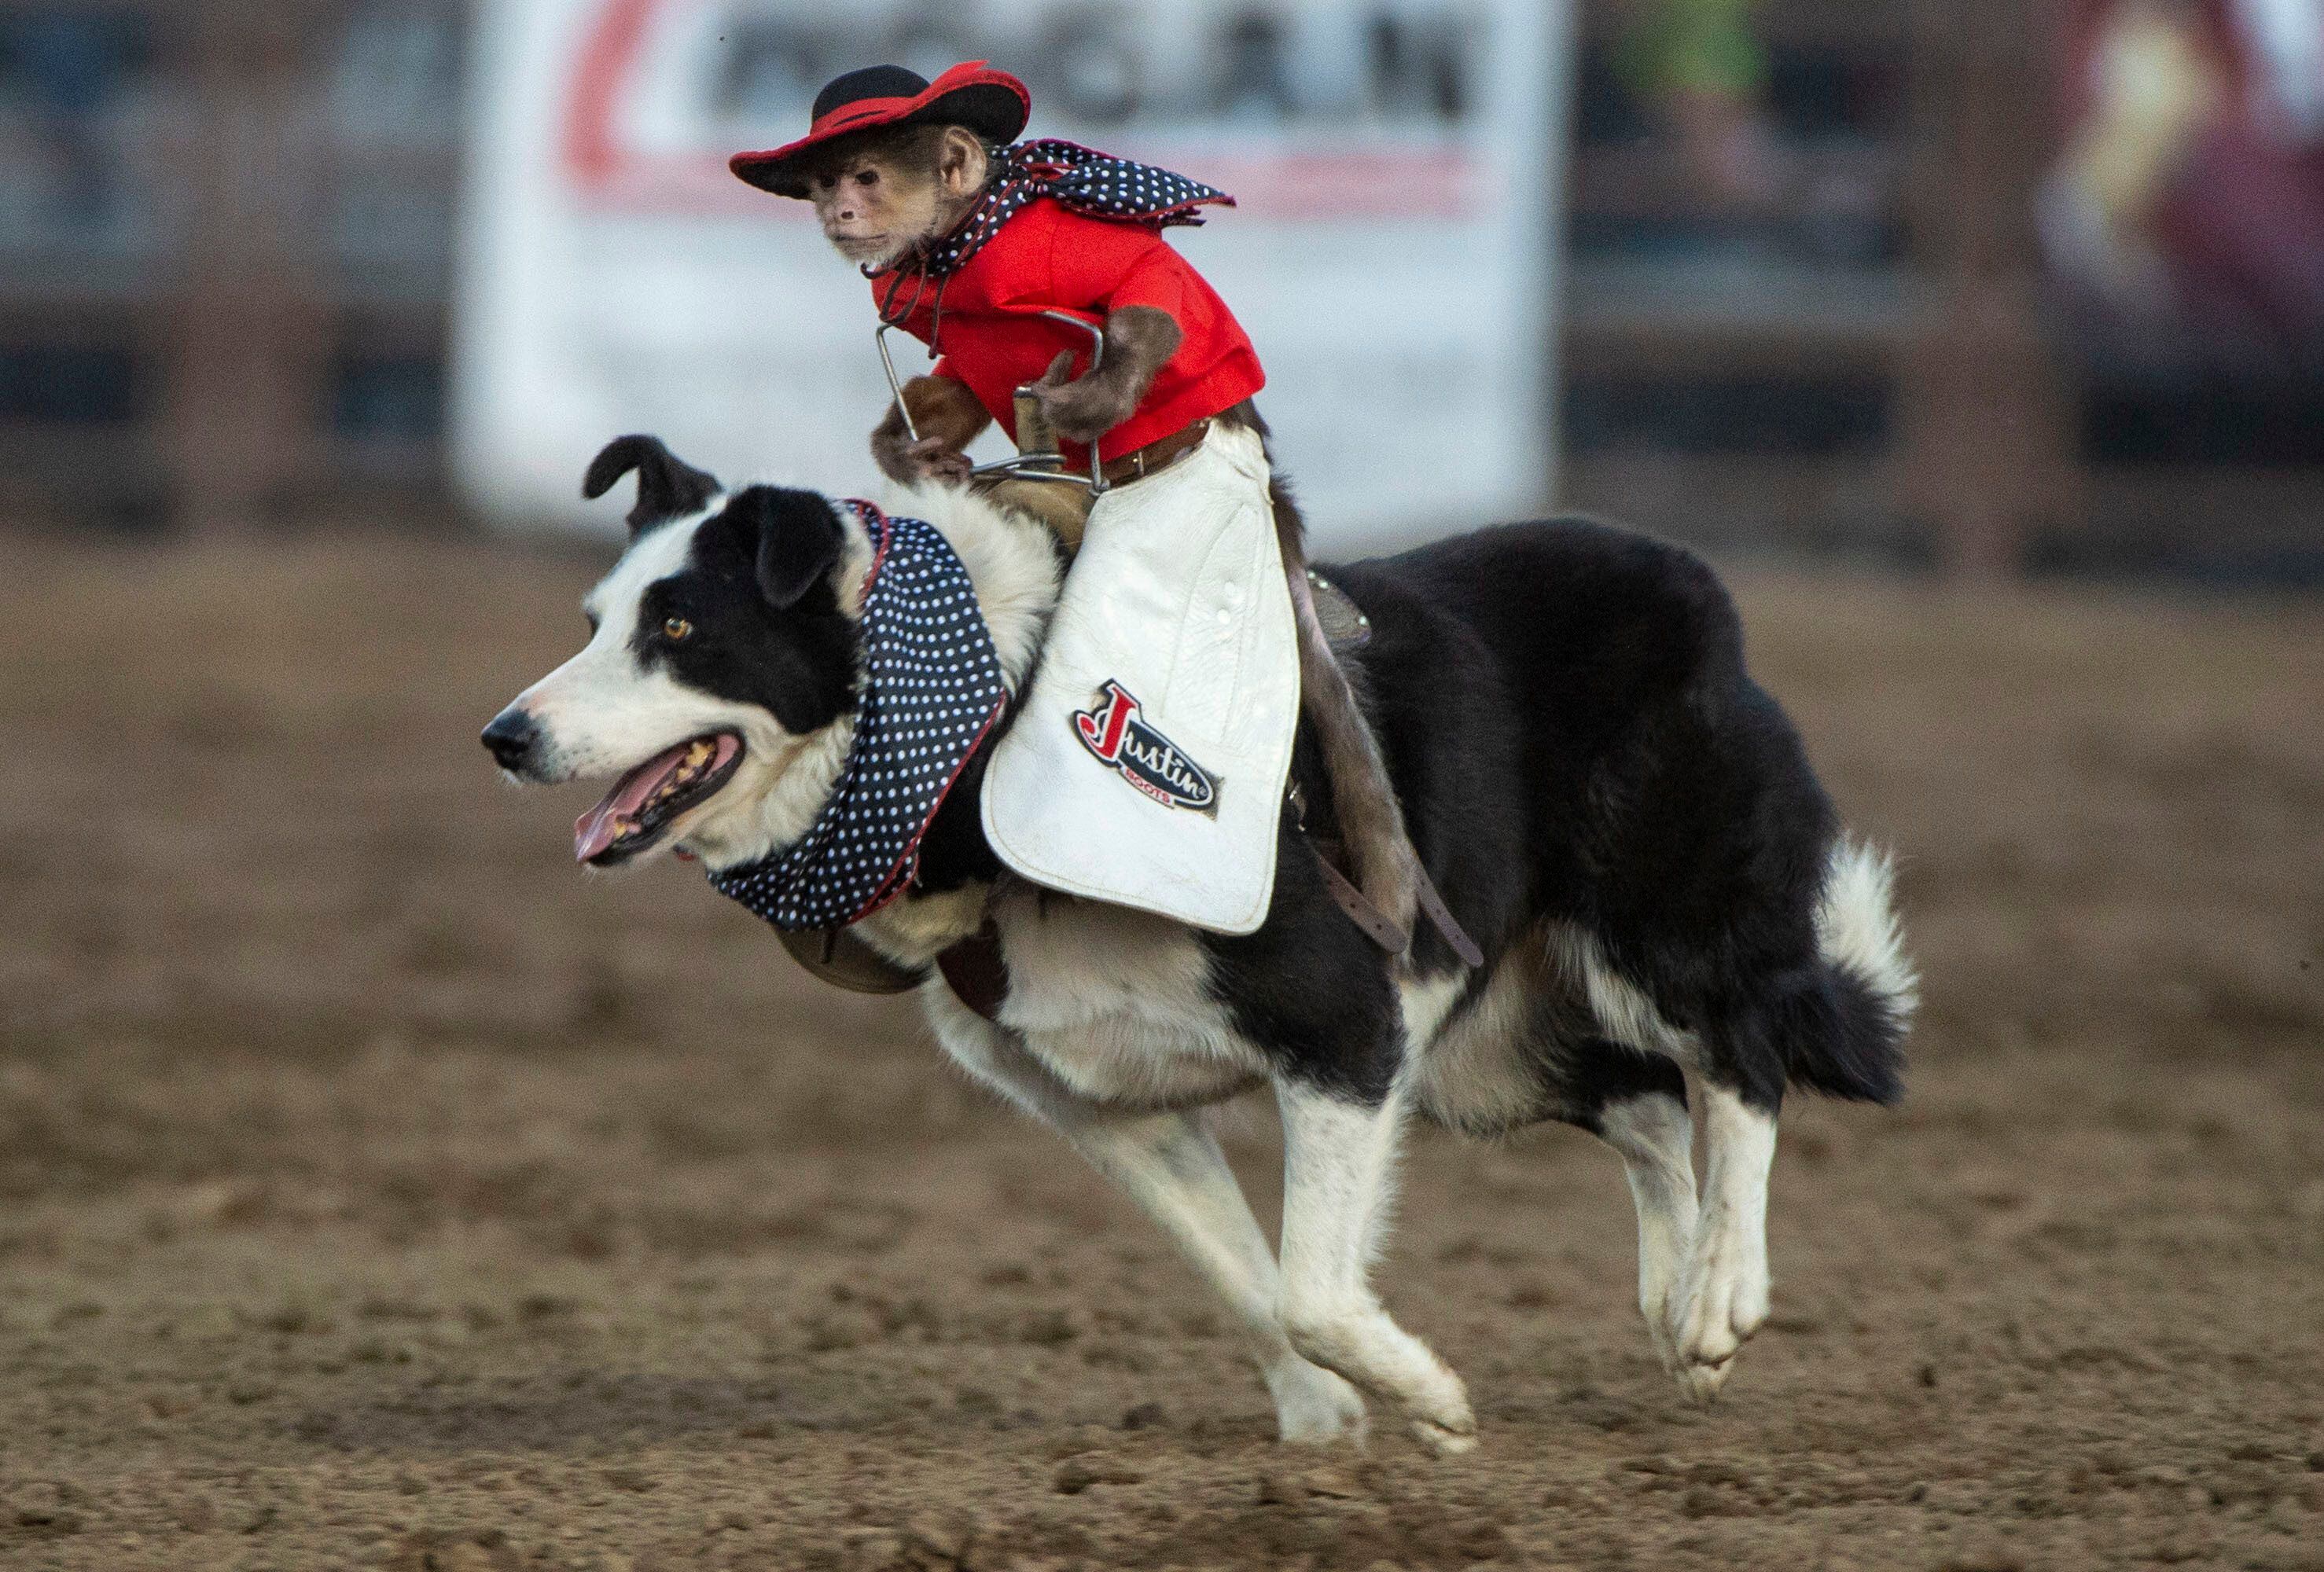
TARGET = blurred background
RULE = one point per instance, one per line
(376, 1190)
(1977, 288)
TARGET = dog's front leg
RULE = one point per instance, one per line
(1339, 1156)
(1171, 1167)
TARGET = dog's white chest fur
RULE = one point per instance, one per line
(1115, 1003)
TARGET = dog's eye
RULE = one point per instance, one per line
(677, 629)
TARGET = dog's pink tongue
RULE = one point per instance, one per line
(597, 829)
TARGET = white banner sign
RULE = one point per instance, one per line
(1394, 163)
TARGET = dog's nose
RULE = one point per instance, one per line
(511, 737)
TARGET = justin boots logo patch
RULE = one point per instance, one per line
(1116, 731)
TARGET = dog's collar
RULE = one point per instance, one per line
(932, 690)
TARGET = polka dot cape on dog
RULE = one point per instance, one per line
(932, 690)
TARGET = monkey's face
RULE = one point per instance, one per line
(881, 196)
(874, 207)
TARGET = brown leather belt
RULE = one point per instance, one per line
(1158, 454)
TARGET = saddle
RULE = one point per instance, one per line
(974, 968)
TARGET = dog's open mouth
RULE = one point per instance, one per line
(642, 803)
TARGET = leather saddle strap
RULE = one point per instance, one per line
(1376, 924)
(977, 972)
(839, 958)
(1384, 930)
(1446, 923)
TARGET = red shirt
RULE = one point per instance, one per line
(993, 340)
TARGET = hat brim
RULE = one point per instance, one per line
(992, 103)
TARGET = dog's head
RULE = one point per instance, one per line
(722, 660)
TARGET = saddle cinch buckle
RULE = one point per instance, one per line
(1035, 480)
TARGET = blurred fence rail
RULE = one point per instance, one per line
(1868, 355)
(227, 229)
(1855, 356)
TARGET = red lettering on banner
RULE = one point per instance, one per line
(1415, 183)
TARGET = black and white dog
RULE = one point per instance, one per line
(1674, 928)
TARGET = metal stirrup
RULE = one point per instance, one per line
(1047, 466)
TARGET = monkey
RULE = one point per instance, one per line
(970, 241)
(879, 194)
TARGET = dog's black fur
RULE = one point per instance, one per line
(1566, 716)
(766, 627)
(668, 487)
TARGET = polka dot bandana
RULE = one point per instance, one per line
(932, 690)
(1089, 182)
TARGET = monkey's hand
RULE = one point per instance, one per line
(949, 418)
(1138, 340)
(929, 459)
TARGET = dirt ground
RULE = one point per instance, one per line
(376, 1190)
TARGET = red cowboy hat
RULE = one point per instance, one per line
(992, 103)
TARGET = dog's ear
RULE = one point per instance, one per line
(667, 487)
(799, 540)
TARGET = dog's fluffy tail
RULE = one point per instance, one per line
(1846, 1032)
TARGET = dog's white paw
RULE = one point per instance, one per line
(1313, 1407)
(1719, 1302)
(1392, 1365)
(1444, 1441)
(1440, 1414)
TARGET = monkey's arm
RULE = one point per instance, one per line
(1138, 340)
(949, 418)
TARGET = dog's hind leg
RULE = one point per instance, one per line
(1637, 1102)
(1734, 1079)
(1656, 1139)
(1339, 1159)
(1721, 1298)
